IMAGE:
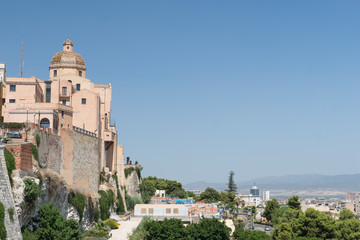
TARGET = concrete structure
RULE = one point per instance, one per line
(266, 195)
(6, 197)
(161, 210)
(351, 196)
(160, 193)
(66, 101)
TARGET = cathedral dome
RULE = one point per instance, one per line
(67, 58)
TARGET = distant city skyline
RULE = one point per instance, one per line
(201, 88)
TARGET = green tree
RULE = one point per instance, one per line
(231, 183)
(270, 208)
(294, 203)
(348, 229)
(346, 214)
(52, 225)
(208, 229)
(167, 229)
(250, 235)
(210, 195)
(32, 191)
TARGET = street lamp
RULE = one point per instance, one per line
(27, 123)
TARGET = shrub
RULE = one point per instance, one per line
(3, 232)
(78, 201)
(37, 140)
(32, 192)
(53, 225)
(112, 223)
(35, 152)
(138, 171)
(128, 171)
(27, 235)
(11, 214)
(119, 202)
(100, 230)
(102, 176)
(106, 201)
(10, 162)
(12, 125)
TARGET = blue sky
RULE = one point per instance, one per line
(263, 88)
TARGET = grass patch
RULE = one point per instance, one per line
(35, 152)
(37, 140)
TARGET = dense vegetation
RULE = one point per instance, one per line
(3, 232)
(32, 192)
(37, 140)
(78, 201)
(10, 163)
(207, 229)
(52, 225)
(12, 125)
(106, 201)
(171, 187)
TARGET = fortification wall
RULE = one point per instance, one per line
(86, 161)
(6, 197)
(73, 155)
(132, 181)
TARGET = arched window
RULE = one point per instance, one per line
(45, 123)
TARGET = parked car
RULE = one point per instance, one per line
(267, 228)
(16, 135)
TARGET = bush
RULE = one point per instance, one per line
(27, 235)
(35, 152)
(52, 225)
(78, 201)
(100, 230)
(112, 223)
(128, 171)
(12, 125)
(37, 140)
(10, 162)
(32, 191)
(106, 201)
(3, 232)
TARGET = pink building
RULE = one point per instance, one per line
(67, 100)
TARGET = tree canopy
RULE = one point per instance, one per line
(270, 208)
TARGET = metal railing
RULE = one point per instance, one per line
(84, 131)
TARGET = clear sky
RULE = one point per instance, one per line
(263, 88)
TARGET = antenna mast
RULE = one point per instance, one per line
(22, 58)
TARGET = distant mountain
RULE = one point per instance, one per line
(306, 184)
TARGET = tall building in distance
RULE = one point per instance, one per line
(351, 196)
(266, 195)
(254, 190)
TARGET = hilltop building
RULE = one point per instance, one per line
(67, 101)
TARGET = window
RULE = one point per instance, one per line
(64, 91)
(80, 73)
(55, 73)
(61, 125)
(78, 87)
(11, 100)
(62, 113)
(143, 211)
(168, 211)
(12, 88)
(48, 92)
(151, 211)
(83, 101)
(64, 102)
(176, 211)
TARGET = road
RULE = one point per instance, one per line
(260, 227)
(125, 229)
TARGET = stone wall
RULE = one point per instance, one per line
(50, 150)
(86, 162)
(6, 197)
(22, 153)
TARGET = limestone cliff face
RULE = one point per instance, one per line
(132, 183)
